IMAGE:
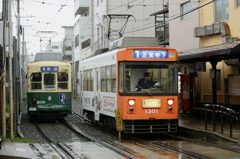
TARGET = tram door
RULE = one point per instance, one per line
(185, 93)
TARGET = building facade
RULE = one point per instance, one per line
(68, 43)
(219, 25)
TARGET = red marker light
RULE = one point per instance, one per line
(34, 100)
(131, 109)
(170, 109)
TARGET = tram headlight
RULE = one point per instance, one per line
(131, 102)
(170, 102)
(49, 98)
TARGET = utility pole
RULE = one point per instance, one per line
(10, 71)
(20, 68)
(4, 72)
(9, 55)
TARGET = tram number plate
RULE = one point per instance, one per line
(151, 111)
(40, 102)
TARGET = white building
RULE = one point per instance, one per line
(181, 29)
(56, 46)
(68, 43)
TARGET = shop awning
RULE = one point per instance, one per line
(217, 52)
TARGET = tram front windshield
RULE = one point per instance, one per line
(154, 77)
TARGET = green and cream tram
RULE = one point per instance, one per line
(49, 89)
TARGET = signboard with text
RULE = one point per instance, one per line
(119, 124)
(151, 54)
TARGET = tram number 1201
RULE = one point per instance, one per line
(151, 111)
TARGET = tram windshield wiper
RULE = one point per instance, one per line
(142, 89)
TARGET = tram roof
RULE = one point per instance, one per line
(217, 52)
(48, 62)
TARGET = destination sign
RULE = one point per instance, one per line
(49, 69)
(150, 54)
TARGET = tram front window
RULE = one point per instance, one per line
(62, 78)
(49, 81)
(36, 81)
(155, 77)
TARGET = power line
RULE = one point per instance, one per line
(172, 18)
(57, 13)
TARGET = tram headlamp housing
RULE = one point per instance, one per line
(131, 102)
(131, 109)
(49, 98)
(170, 109)
(170, 102)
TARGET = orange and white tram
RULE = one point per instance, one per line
(109, 83)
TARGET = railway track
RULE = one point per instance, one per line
(183, 147)
(66, 151)
(60, 147)
(187, 148)
(108, 145)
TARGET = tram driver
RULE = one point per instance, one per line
(144, 83)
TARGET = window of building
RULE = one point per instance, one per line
(86, 44)
(218, 79)
(238, 3)
(54, 47)
(1, 9)
(185, 7)
(221, 10)
(77, 41)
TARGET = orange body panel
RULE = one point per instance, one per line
(141, 113)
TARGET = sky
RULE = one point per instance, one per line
(48, 15)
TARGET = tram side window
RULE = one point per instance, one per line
(85, 80)
(36, 79)
(113, 81)
(171, 79)
(103, 80)
(62, 80)
(88, 80)
(108, 78)
(49, 81)
(91, 84)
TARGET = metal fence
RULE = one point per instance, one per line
(224, 111)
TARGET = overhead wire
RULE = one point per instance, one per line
(92, 16)
(57, 13)
(191, 10)
(148, 5)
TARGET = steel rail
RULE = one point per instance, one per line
(99, 142)
(59, 144)
(206, 143)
